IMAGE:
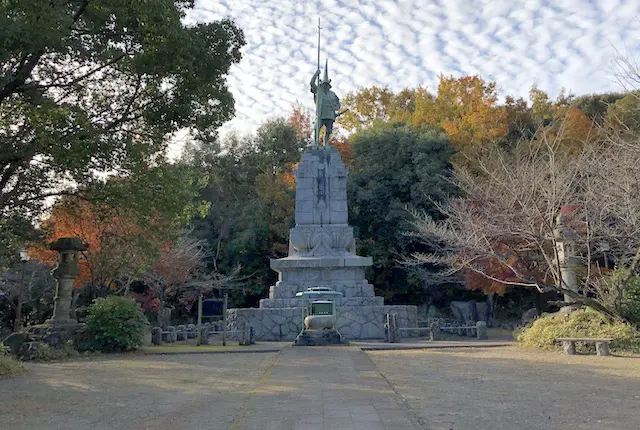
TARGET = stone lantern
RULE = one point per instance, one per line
(319, 317)
(564, 238)
(66, 271)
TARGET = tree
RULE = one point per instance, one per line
(251, 189)
(302, 122)
(176, 268)
(466, 108)
(595, 105)
(512, 212)
(125, 233)
(29, 287)
(570, 130)
(370, 105)
(519, 119)
(541, 106)
(394, 168)
(88, 87)
(624, 114)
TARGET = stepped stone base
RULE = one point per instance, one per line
(288, 291)
(340, 302)
(353, 322)
(319, 338)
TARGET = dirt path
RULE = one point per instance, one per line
(511, 388)
(148, 392)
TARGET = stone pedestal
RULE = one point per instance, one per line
(319, 337)
(62, 303)
(322, 253)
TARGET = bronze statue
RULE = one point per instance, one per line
(327, 102)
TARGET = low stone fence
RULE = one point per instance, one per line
(183, 332)
(173, 334)
(433, 327)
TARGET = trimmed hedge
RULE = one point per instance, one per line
(581, 323)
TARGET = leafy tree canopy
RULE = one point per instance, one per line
(89, 87)
(251, 189)
(394, 169)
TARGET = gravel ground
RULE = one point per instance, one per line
(464, 388)
(514, 388)
(196, 391)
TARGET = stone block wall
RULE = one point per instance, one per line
(269, 324)
(353, 322)
(360, 322)
(407, 314)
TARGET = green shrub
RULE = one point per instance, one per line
(581, 323)
(114, 324)
(631, 301)
(9, 366)
(45, 352)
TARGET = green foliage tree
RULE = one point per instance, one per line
(395, 169)
(541, 106)
(114, 324)
(368, 106)
(89, 87)
(519, 120)
(595, 105)
(624, 114)
(251, 190)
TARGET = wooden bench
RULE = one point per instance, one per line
(569, 344)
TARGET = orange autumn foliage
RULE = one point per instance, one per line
(344, 148)
(496, 275)
(301, 121)
(467, 110)
(107, 235)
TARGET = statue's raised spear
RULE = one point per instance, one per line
(317, 128)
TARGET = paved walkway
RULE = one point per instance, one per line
(323, 388)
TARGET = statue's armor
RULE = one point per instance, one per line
(329, 103)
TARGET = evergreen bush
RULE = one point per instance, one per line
(114, 324)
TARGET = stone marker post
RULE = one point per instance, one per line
(224, 319)
(65, 273)
(434, 331)
(481, 330)
(156, 336)
(392, 331)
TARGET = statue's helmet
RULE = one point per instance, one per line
(325, 78)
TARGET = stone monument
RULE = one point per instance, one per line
(61, 327)
(65, 273)
(322, 248)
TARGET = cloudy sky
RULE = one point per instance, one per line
(406, 43)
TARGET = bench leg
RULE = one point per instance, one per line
(602, 348)
(569, 347)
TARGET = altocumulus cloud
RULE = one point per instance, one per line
(405, 43)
